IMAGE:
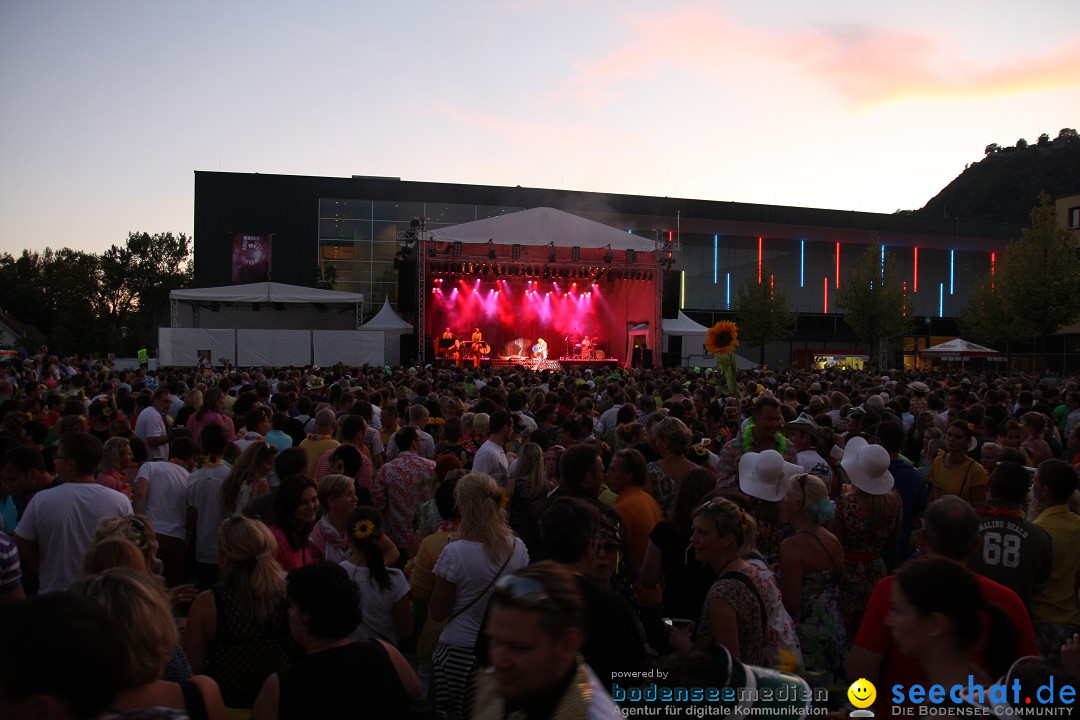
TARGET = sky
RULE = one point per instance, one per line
(107, 108)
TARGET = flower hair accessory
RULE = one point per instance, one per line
(823, 510)
(363, 529)
(700, 450)
(500, 498)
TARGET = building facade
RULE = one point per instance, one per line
(355, 226)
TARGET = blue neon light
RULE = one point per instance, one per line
(729, 291)
(802, 263)
(952, 269)
(882, 262)
(715, 255)
(941, 300)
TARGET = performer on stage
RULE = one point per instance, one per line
(477, 336)
(586, 347)
(541, 348)
(448, 335)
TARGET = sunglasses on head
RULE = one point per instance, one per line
(523, 592)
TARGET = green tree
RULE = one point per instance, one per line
(984, 318)
(763, 312)
(325, 277)
(873, 302)
(1040, 276)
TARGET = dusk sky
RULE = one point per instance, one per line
(107, 108)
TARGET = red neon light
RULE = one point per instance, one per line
(772, 287)
(671, 236)
(759, 261)
(905, 298)
(826, 296)
(916, 278)
(993, 263)
(837, 266)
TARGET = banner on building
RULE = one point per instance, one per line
(250, 259)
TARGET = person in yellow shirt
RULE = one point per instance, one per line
(1055, 608)
(955, 473)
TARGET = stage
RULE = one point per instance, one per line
(537, 284)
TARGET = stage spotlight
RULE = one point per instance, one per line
(609, 256)
(631, 257)
(491, 249)
(575, 253)
(551, 254)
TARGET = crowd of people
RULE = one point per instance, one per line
(475, 543)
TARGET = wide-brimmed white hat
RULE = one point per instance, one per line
(765, 475)
(919, 387)
(807, 424)
(867, 466)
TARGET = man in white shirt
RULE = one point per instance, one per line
(418, 418)
(58, 525)
(490, 459)
(160, 493)
(151, 425)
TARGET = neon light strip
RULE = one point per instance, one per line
(729, 291)
(802, 263)
(952, 269)
(882, 262)
(941, 300)
(993, 270)
(759, 261)
(715, 256)
(915, 283)
(837, 266)
(826, 296)
(772, 287)
(682, 289)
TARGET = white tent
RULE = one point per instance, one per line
(541, 226)
(391, 327)
(693, 344)
(959, 349)
(265, 305)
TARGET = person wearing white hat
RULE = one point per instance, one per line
(764, 477)
(867, 517)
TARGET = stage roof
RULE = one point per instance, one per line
(541, 226)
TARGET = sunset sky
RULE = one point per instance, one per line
(107, 108)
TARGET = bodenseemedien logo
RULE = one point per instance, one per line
(862, 695)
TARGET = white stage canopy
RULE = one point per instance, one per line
(541, 226)
(265, 305)
(390, 328)
(179, 347)
(352, 347)
(277, 348)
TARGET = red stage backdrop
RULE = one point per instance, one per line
(250, 259)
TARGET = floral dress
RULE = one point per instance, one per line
(821, 630)
(863, 567)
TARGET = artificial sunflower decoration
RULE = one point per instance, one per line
(722, 338)
(363, 529)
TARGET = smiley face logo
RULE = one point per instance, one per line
(862, 693)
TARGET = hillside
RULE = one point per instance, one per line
(1005, 185)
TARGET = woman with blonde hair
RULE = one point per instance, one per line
(528, 483)
(734, 614)
(483, 549)
(238, 631)
(337, 500)
(139, 530)
(670, 438)
(116, 458)
(149, 635)
(113, 552)
(247, 479)
(193, 400)
(811, 565)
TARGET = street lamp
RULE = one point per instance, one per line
(123, 331)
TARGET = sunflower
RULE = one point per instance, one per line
(722, 338)
(363, 529)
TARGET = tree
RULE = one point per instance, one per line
(984, 318)
(1067, 134)
(325, 277)
(873, 301)
(1040, 276)
(1044, 140)
(763, 312)
(1021, 143)
(991, 149)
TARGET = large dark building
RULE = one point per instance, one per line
(354, 225)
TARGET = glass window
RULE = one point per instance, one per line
(384, 251)
(345, 229)
(336, 251)
(382, 210)
(387, 231)
(345, 209)
(449, 214)
(486, 211)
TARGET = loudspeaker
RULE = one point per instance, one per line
(407, 347)
(669, 300)
(674, 351)
(406, 288)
